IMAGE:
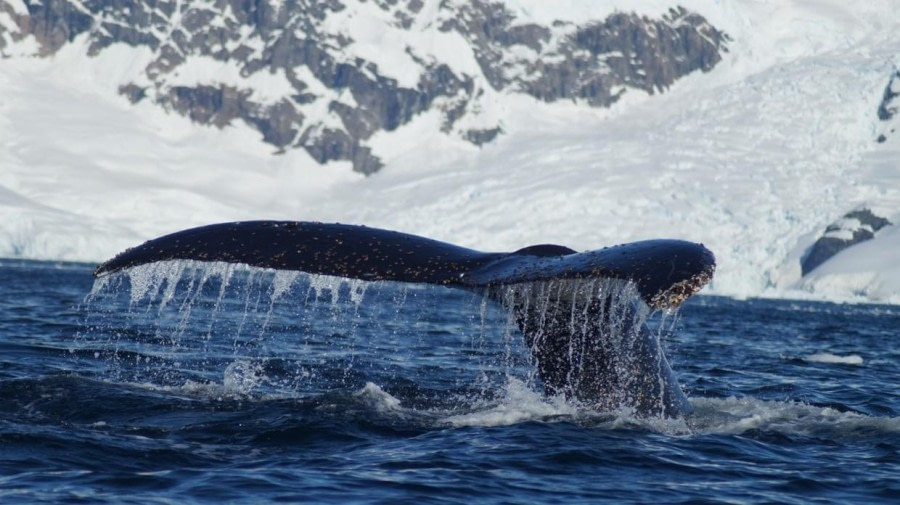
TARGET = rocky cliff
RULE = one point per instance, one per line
(854, 227)
(326, 75)
(888, 108)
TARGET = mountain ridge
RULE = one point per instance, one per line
(326, 97)
(755, 158)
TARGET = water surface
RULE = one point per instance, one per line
(247, 386)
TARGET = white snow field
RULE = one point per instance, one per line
(754, 159)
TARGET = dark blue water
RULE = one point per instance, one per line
(236, 386)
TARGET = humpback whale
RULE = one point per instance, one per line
(581, 313)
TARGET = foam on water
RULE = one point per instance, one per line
(736, 416)
(711, 416)
(378, 399)
(520, 403)
(826, 357)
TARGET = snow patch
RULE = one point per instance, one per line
(18, 6)
(265, 87)
(374, 38)
(869, 270)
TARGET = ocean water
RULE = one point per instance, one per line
(183, 385)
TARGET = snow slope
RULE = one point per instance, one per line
(754, 159)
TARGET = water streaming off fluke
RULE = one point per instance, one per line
(291, 333)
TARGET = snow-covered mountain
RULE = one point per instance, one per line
(327, 75)
(756, 127)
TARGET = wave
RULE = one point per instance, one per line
(825, 357)
(220, 417)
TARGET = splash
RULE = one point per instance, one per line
(378, 399)
(520, 403)
(180, 321)
(242, 376)
(257, 331)
(591, 342)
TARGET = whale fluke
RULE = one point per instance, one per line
(579, 312)
(666, 272)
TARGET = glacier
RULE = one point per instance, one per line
(754, 158)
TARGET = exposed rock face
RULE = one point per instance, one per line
(889, 106)
(594, 61)
(855, 227)
(297, 71)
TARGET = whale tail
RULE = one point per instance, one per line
(665, 272)
(580, 313)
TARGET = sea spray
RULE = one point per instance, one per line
(190, 321)
(172, 322)
(590, 342)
